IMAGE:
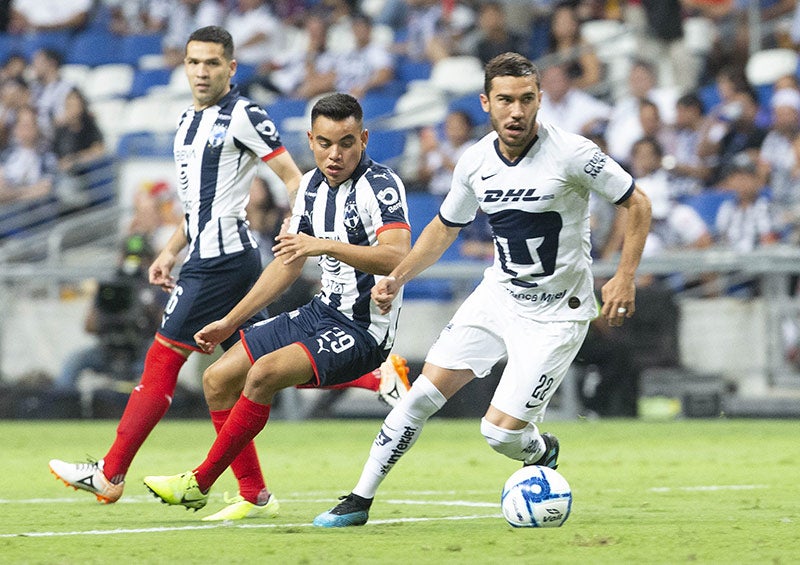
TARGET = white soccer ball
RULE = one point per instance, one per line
(536, 497)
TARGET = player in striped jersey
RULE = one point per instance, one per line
(535, 302)
(350, 214)
(219, 141)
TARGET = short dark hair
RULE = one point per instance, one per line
(337, 107)
(690, 100)
(652, 142)
(509, 65)
(53, 55)
(214, 34)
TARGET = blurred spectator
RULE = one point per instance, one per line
(26, 167)
(432, 32)
(307, 73)
(566, 43)
(477, 239)
(339, 16)
(156, 213)
(746, 222)
(787, 199)
(569, 107)
(777, 158)
(493, 35)
(624, 126)
(687, 170)
(439, 156)
(124, 314)
(265, 217)
(129, 17)
(29, 16)
(78, 144)
(14, 95)
(659, 24)
(674, 225)
(257, 33)
(13, 67)
(368, 66)
(290, 12)
(735, 130)
(651, 123)
(49, 88)
(181, 18)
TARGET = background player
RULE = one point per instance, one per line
(351, 213)
(535, 302)
(219, 141)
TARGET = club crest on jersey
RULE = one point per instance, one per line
(217, 136)
(351, 219)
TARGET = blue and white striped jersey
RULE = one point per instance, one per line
(216, 151)
(355, 212)
(538, 207)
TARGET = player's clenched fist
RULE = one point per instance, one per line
(384, 292)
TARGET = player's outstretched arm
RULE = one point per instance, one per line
(284, 166)
(432, 243)
(619, 293)
(393, 245)
(275, 279)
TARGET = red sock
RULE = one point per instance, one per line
(246, 466)
(147, 404)
(246, 419)
(370, 381)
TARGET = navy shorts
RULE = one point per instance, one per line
(340, 351)
(205, 292)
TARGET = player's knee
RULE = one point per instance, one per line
(503, 441)
(219, 386)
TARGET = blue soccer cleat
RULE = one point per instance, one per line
(353, 510)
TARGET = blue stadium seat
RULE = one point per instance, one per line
(709, 96)
(377, 105)
(8, 45)
(134, 47)
(385, 146)
(707, 204)
(30, 43)
(95, 48)
(471, 104)
(144, 79)
(422, 207)
(407, 70)
(244, 72)
(284, 108)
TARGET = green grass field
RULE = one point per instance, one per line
(692, 491)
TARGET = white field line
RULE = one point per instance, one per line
(707, 488)
(120, 531)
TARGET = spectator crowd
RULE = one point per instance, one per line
(686, 121)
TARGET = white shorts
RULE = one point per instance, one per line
(485, 330)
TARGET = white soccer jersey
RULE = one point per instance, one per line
(538, 208)
(355, 212)
(215, 153)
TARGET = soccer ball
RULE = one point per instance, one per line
(536, 497)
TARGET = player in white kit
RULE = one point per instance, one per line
(535, 302)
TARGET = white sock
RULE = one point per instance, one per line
(522, 445)
(399, 431)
